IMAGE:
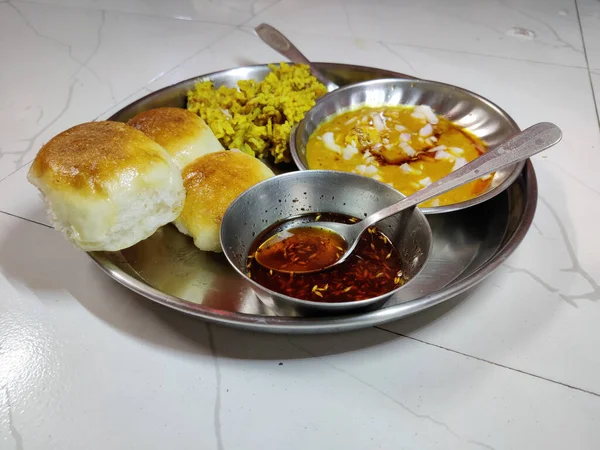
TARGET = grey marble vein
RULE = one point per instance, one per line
(23, 154)
(256, 13)
(11, 425)
(348, 21)
(249, 31)
(487, 55)
(399, 55)
(82, 64)
(477, 23)
(536, 228)
(20, 161)
(85, 63)
(386, 395)
(200, 50)
(29, 25)
(577, 179)
(242, 9)
(267, 7)
(40, 114)
(35, 31)
(217, 410)
(552, 30)
(576, 267)
(539, 281)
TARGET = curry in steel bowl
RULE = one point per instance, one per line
(406, 147)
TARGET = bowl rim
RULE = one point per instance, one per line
(517, 168)
(324, 306)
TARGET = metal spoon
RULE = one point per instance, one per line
(278, 42)
(523, 145)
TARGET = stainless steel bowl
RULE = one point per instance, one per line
(467, 109)
(298, 193)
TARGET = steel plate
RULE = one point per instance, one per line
(167, 268)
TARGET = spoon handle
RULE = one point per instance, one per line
(278, 42)
(521, 146)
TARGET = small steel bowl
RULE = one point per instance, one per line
(296, 193)
(467, 109)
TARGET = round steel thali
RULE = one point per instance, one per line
(168, 269)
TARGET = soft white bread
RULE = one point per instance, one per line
(107, 185)
(212, 183)
(183, 134)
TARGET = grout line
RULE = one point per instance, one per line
(587, 62)
(28, 220)
(490, 362)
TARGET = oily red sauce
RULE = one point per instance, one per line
(373, 268)
(301, 249)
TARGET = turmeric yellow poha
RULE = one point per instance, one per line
(257, 117)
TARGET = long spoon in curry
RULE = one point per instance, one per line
(523, 145)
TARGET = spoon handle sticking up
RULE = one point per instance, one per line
(518, 148)
(278, 42)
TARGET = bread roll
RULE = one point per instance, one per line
(182, 133)
(212, 182)
(107, 185)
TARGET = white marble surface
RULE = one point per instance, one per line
(511, 364)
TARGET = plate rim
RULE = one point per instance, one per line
(304, 325)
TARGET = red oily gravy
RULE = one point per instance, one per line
(301, 249)
(374, 268)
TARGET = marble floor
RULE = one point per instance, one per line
(511, 364)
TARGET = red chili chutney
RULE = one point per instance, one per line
(301, 249)
(373, 268)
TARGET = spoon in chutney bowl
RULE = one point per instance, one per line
(319, 245)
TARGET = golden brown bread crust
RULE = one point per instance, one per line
(89, 155)
(213, 181)
(162, 124)
(183, 134)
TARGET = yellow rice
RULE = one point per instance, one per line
(257, 118)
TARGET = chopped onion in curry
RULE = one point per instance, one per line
(406, 147)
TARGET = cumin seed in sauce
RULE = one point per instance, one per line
(302, 249)
(374, 268)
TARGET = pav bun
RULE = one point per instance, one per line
(107, 185)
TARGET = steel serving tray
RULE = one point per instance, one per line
(468, 244)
